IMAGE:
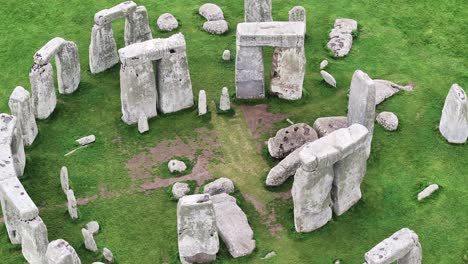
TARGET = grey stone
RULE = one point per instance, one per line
(167, 22)
(287, 73)
(49, 50)
(289, 139)
(284, 169)
(250, 73)
(137, 27)
(217, 27)
(64, 179)
(271, 34)
(43, 97)
(34, 240)
(326, 125)
(72, 205)
(103, 49)
(20, 106)
(211, 12)
(68, 68)
(109, 15)
(86, 140)
(108, 255)
(388, 120)
(60, 252)
(297, 13)
(227, 55)
(143, 125)
(197, 232)
(12, 155)
(403, 246)
(328, 78)
(428, 191)
(179, 190)
(270, 255)
(176, 166)
(385, 89)
(323, 64)
(88, 239)
(258, 10)
(202, 107)
(454, 121)
(224, 101)
(341, 38)
(93, 227)
(233, 227)
(221, 185)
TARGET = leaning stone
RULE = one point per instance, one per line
(269, 255)
(88, 239)
(257, 10)
(328, 78)
(233, 227)
(211, 12)
(216, 27)
(86, 140)
(227, 55)
(326, 125)
(428, 191)
(385, 89)
(176, 166)
(68, 68)
(167, 22)
(20, 106)
(454, 121)
(43, 98)
(221, 185)
(202, 107)
(60, 252)
(64, 179)
(224, 102)
(103, 49)
(323, 64)
(143, 125)
(72, 205)
(289, 139)
(197, 232)
(388, 120)
(93, 227)
(179, 190)
(107, 254)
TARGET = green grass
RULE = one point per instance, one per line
(421, 42)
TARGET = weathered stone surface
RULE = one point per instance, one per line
(217, 27)
(402, 246)
(167, 22)
(297, 13)
(388, 120)
(72, 205)
(454, 121)
(43, 97)
(12, 155)
(34, 240)
(428, 191)
(92, 227)
(361, 104)
(326, 125)
(176, 166)
(227, 55)
(197, 232)
(60, 252)
(341, 38)
(287, 73)
(49, 50)
(221, 185)
(137, 27)
(121, 10)
(107, 254)
(86, 140)
(211, 12)
(64, 179)
(271, 34)
(258, 10)
(385, 89)
(202, 107)
(143, 125)
(250, 73)
(103, 49)
(67, 60)
(270, 255)
(88, 239)
(233, 227)
(323, 64)
(224, 101)
(284, 169)
(20, 106)
(179, 190)
(328, 78)
(289, 139)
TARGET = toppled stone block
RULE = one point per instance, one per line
(64, 179)
(454, 120)
(385, 89)
(20, 106)
(289, 139)
(211, 12)
(428, 191)
(202, 107)
(92, 227)
(179, 190)
(176, 166)
(388, 120)
(13, 157)
(217, 27)
(224, 101)
(86, 140)
(88, 239)
(284, 169)
(271, 34)
(328, 78)
(72, 205)
(326, 125)
(167, 22)
(43, 97)
(341, 38)
(60, 252)
(258, 10)
(221, 185)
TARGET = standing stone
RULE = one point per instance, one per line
(221, 185)
(34, 240)
(12, 155)
(428, 191)
(289, 139)
(43, 90)
(323, 64)
(197, 231)
(258, 10)
(20, 106)
(202, 107)
(179, 190)
(227, 55)
(137, 27)
(60, 252)
(88, 239)
(143, 125)
(250, 73)
(167, 22)
(92, 227)
(107, 254)
(388, 120)
(224, 102)
(72, 206)
(328, 78)
(233, 226)
(68, 68)
(103, 49)
(454, 121)
(64, 179)
(361, 105)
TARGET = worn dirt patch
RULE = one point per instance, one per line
(269, 217)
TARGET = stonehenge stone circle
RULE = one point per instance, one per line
(224, 101)
(428, 191)
(221, 185)
(180, 189)
(176, 166)
(20, 106)
(167, 22)
(326, 125)
(328, 78)
(86, 140)
(141, 91)
(233, 226)
(60, 252)
(64, 179)
(388, 120)
(12, 155)
(93, 227)
(454, 121)
(202, 107)
(288, 65)
(72, 205)
(258, 11)
(331, 172)
(403, 247)
(227, 55)
(34, 240)
(341, 38)
(197, 231)
(289, 139)
(211, 12)
(88, 239)
(251, 37)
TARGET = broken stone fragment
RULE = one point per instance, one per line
(221, 185)
(224, 101)
(269, 255)
(20, 106)
(227, 55)
(388, 120)
(289, 139)
(211, 12)
(107, 254)
(64, 179)
(385, 89)
(323, 64)
(328, 78)
(202, 107)
(428, 191)
(216, 27)
(72, 205)
(180, 189)
(176, 166)
(454, 120)
(60, 252)
(88, 239)
(143, 125)
(86, 140)
(326, 125)
(93, 227)
(167, 22)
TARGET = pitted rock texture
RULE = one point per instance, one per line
(388, 120)
(289, 139)
(341, 38)
(221, 185)
(217, 27)
(328, 78)
(179, 190)
(167, 22)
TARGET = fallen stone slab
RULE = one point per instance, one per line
(217, 27)
(385, 89)
(211, 12)
(326, 125)
(428, 191)
(454, 120)
(388, 120)
(328, 78)
(60, 252)
(167, 22)
(284, 169)
(93, 227)
(233, 226)
(341, 38)
(86, 140)
(180, 189)
(270, 255)
(20, 106)
(88, 239)
(221, 185)
(289, 139)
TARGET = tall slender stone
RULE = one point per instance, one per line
(20, 106)
(137, 27)
(60, 252)
(103, 49)
(68, 68)
(224, 102)
(258, 10)
(11, 147)
(454, 121)
(202, 107)
(64, 179)
(43, 90)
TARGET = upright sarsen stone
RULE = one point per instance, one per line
(258, 10)
(103, 49)
(13, 157)
(250, 73)
(44, 99)
(34, 240)
(137, 27)
(20, 106)
(454, 121)
(68, 68)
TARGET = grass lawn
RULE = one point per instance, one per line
(420, 42)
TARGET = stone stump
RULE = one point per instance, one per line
(454, 121)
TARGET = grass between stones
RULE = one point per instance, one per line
(418, 42)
